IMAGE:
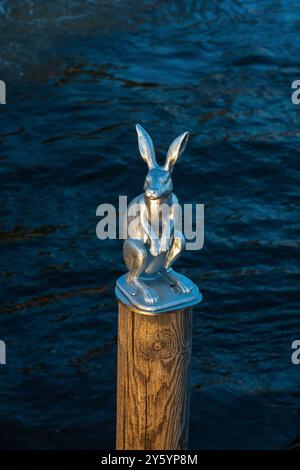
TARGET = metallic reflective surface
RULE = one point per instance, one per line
(170, 299)
(153, 244)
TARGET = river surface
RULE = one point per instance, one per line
(79, 75)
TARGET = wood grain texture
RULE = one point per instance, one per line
(153, 390)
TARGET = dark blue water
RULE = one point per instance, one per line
(79, 75)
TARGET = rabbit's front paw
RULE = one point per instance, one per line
(155, 247)
(164, 244)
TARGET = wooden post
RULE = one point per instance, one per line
(153, 390)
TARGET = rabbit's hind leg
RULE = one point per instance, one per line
(135, 257)
(177, 247)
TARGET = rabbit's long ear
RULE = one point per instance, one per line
(175, 150)
(146, 147)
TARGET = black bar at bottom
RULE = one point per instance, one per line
(135, 459)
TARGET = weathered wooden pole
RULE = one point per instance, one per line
(155, 315)
(153, 389)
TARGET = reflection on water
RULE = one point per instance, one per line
(79, 76)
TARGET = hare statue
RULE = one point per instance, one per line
(149, 252)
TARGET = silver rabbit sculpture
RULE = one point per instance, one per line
(146, 254)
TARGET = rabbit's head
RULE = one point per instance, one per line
(158, 183)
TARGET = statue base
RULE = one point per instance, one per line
(170, 298)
